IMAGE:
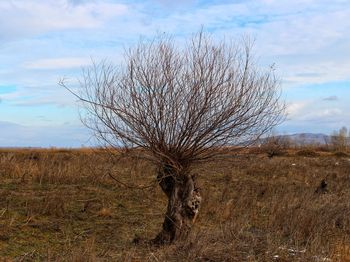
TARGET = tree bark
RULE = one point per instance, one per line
(183, 205)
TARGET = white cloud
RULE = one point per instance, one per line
(295, 109)
(32, 96)
(58, 63)
(307, 39)
(328, 112)
(66, 135)
(25, 18)
(316, 72)
(315, 117)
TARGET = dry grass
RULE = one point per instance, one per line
(60, 205)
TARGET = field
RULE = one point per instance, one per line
(61, 205)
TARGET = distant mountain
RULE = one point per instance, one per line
(303, 138)
(308, 138)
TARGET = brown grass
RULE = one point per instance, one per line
(60, 205)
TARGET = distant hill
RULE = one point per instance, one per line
(308, 138)
(304, 138)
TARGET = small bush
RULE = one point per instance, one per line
(275, 146)
(340, 154)
(307, 153)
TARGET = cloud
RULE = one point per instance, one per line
(26, 18)
(307, 39)
(12, 134)
(295, 109)
(172, 4)
(322, 71)
(330, 98)
(308, 74)
(42, 41)
(313, 118)
(33, 96)
(324, 114)
(58, 63)
(308, 111)
(79, 2)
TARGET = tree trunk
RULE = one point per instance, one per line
(183, 205)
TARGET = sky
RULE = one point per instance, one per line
(41, 41)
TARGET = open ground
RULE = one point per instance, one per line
(61, 205)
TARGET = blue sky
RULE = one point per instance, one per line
(44, 40)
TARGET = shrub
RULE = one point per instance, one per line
(307, 153)
(340, 154)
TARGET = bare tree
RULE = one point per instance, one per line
(179, 106)
(340, 139)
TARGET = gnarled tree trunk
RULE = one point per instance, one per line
(183, 204)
